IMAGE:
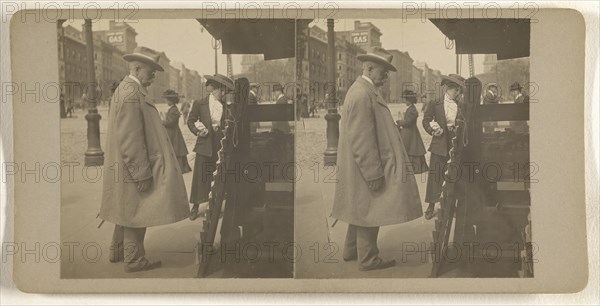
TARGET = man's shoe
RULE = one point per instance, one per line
(429, 214)
(194, 213)
(351, 258)
(145, 265)
(381, 265)
(116, 254)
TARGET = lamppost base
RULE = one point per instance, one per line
(94, 159)
(333, 134)
(94, 156)
(330, 159)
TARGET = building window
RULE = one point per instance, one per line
(339, 56)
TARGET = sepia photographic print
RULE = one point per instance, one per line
(435, 112)
(215, 147)
(293, 149)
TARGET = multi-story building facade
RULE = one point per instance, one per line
(417, 81)
(72, 64)
(109, 65)
(403, 77)
(348, 67)
(432, 79)
(191, 83)
(317, 63)
(175, 79)
(161, 81)
(364, 35)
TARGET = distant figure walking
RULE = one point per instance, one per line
(411, 137)
(171, 122)
(185, 109)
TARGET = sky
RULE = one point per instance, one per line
(423, 41)
(184, 41)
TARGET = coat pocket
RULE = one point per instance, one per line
(156, 164)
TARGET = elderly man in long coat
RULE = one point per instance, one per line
(375, 184)
(143, 185)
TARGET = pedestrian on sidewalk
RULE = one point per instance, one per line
(146, 186)
(253, 93)
(411, 137)
(280, 126)
(171, 122)
(185, 109)
(206, 120)
(374, 187)
(439, 121)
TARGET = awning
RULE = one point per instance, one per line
(508, 38)
(275, 38)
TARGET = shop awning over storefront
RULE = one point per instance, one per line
(508, 38)
(274, 38)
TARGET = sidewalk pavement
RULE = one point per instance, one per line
(174, 244)
(322, 245)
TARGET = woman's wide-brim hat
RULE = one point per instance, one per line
(170, 93)
(145, 55)
(515, 86)
(453, 79)
(380, 56)
(277, 86)
(407, 93)
(220, 79)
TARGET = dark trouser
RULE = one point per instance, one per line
(202, 177)
(361, 242)
(131, 241)
(435, 177)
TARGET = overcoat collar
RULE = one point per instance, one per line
(373, 89)
(139, 88)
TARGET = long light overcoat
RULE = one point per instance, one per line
(138, 148)
(370, 147)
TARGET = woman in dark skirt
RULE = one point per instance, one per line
(206, 120)
(439, 121)
(410, 134)
(171, 123)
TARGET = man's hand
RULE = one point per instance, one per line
(438, 132)
(144, 185)
(376, 184)
(203, 132)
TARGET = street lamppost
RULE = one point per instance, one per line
(332, 117)
(94, 155)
